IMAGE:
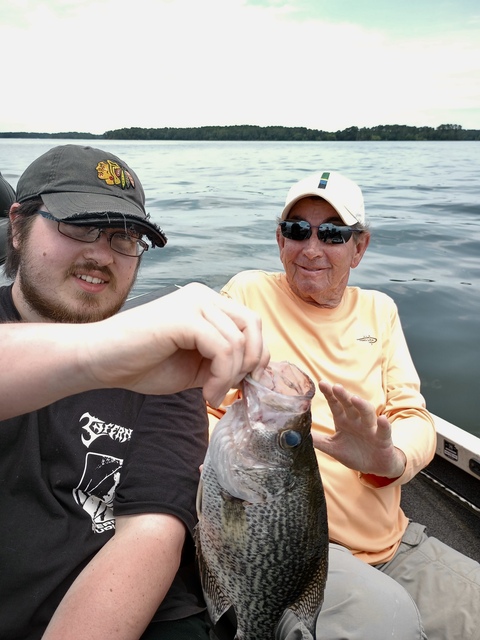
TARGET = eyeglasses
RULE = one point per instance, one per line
(127, 243)
(327, 232)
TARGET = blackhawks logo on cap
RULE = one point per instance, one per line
(114, 174)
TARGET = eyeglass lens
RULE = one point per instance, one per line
(121, 242)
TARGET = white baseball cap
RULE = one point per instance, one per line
(342, 193)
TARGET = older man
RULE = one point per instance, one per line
(370, 428)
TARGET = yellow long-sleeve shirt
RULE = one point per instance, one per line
(359, 344)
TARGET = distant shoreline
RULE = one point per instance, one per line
(247, 133)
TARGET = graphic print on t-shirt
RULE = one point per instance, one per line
(96, 489)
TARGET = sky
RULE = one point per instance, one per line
(97, 65)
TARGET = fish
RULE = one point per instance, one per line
(262, 532)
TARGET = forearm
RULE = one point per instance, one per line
(413, 428)
(188, 339)
(415, 441)
(118, 592)
(416, 437)
(371, 444)
(40, 366)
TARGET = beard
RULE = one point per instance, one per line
(86, 308)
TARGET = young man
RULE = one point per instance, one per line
(370, 425)
(97, 487)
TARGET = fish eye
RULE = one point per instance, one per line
(290, 439)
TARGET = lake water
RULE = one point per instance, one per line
(218, 201)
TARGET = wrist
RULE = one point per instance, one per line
(398, 469)
(399, 466)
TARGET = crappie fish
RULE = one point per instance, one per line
(262, 536)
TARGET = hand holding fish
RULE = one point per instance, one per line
(362, 440)
(190, 338)
(193, 337)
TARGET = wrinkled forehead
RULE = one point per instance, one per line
(314, 209)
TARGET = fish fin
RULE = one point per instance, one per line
(291, 628)
(216, 600)
(300, 631)
(308, 605)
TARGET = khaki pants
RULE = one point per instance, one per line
(427, 590)
(444, 583)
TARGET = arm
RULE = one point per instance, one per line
(390, 442)
(121, 588)
(118, 592)
(191, 338)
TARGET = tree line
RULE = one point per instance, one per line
(67, 135)
(393, 132)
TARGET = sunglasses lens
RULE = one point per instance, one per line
(295, 229)
(332, 234)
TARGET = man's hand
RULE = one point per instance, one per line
(193, 337)
(362, 441)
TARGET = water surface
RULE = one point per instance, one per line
(218, 203)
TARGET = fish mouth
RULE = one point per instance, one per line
(285, 379)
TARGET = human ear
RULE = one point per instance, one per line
(280, 238)
(14, 215)
(361, 245)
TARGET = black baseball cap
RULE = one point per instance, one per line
(88, 186)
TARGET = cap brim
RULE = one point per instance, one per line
(102, 211)
(151, 230)
(72, 203)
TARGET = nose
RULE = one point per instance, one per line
(313, 246)
(99, 251)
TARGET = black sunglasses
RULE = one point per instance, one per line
(327, 232)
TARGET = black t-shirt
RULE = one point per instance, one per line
(68, 469)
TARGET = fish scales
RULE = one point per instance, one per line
(262, 537)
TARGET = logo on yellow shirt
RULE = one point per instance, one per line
(369, 339)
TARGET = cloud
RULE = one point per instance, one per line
(80, 66)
